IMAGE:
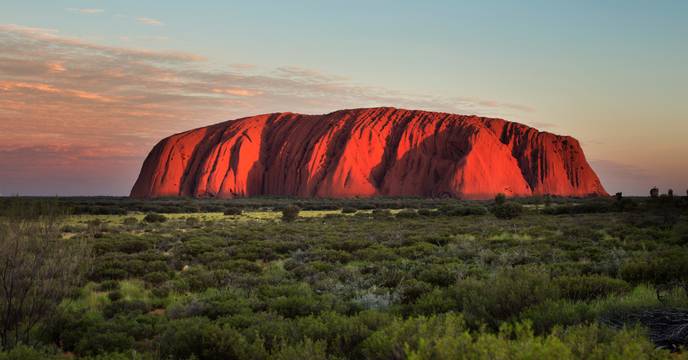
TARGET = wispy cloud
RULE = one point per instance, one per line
(299, 73)
(242, 66)
(56, 67)
(149, 21)
(57, 90)
(238, 92)
(21, 41)
(86, 10)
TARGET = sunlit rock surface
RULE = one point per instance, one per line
(367, 152)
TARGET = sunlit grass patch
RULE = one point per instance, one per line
(92, 298)
(509, 236)
(133, 290)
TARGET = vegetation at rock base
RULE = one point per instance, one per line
(381, 278)
(290, 213)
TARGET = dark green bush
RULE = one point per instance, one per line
(407, 214)
(233, 211)
(427, 212)
(308, 349)
(290, 213)
(202, 339)
(463, 210)
(104, 342)
(381, 213)
(500, 199)
(115, 295)
(127, 307)
(130, 221)
(563, 312)
(659, 268)
(395, 340)
(192, 222)
(23, 352)
(156, 277)
(590, 286)
(504, 295)
(108, 285)
(508, 210)
(155, 218)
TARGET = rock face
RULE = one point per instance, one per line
(366, 152)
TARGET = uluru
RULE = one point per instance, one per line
(364, 153)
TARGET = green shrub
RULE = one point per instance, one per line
(552, 313)
(658, 268)
(463, 210)
(233, 211)
(130, 221)
(500, 199)
(192, 222)
(307, 349)
(126, 307)
(439, 275)
(212, 303)
(381, 213)
(23, 352)
(590, 286)
(446, 337)
(503, 295)
(202, 339)
(115, 295)
(407, 214)
(103, 342)
(434, 302)
(413, 289)
(156, 277)
(155, 218)
(290, 213)
(508, 210)
(394, 340)
(349, 210)
(108, 285)
(427, 212)
(160, 292)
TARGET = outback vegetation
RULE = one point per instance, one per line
(277, 278)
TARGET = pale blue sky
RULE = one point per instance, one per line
(611, 73)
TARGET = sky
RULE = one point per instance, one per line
(88, 87)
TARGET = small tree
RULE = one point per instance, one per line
(670, 193)
(618, 196)
(290, 213)
(654, 193)
(500, 199)
(38, 269)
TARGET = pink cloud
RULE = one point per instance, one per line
(89, 11)
(238, 92)
(69, 106)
